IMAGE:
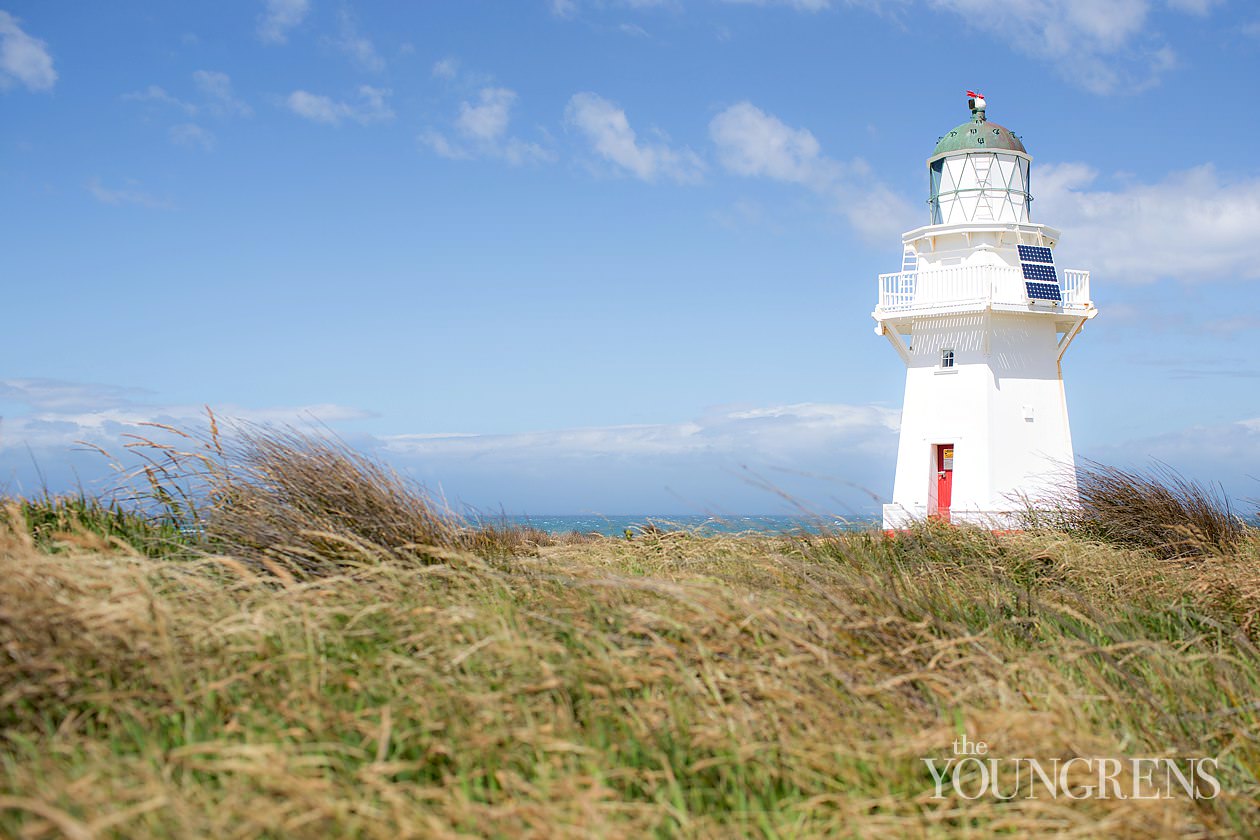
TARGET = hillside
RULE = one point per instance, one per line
(503, 683)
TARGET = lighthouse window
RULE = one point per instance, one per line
(947, 359)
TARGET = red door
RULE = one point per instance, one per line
(944, 479)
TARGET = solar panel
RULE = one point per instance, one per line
(1035, 253)
(1041, 280)
(1044, 291)
(1039, 273)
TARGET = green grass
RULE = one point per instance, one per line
(506, 685)
(54, 521)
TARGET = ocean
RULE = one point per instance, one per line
(616, 525)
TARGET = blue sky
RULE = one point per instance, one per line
(602, 255)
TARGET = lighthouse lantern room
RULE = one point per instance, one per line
(982, 317)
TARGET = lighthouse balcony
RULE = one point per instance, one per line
(968, 288)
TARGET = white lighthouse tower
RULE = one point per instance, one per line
(981, 317)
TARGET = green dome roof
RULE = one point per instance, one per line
(979, 133)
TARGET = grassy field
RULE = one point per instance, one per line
(330, 656)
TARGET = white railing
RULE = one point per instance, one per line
(970, 286)
(896, 291)
(1075, 286)
(961, 285)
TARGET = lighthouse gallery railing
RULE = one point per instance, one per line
(965, 286)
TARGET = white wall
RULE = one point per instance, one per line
(1028, 417)
(1005, 371)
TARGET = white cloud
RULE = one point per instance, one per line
(516, 151)
(193, 136)
(482, 129)
(316, 108)
(58, 395)
(722, 459)
(55, 448)
(216, 87)
(1094, 44)
(803, 5)
(153, 93)
(217, 96)
(357, 46)
(488, 119)
(752, 143)
(1233, 324)
(1194, 7)
(764, 433)
(1063, 24)
(106, 426)
(443, 147)
(23, 60)
(569, 8)
(130, 194)
(57, 413)
(608, 130)
(279, 17)
(1106, 47)
(1192, 225)
(1226, 454)
(217, 99)
(445, 69)
(371, 107)
(726, 459)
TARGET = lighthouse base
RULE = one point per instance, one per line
(898, 518)
(984, 424)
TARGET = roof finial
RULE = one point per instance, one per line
(975, 101)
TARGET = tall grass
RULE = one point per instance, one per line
(305, 502)
(314, 503)
(53, 520)
(392, 681)
(1156, 509)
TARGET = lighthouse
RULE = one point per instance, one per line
(981, 316)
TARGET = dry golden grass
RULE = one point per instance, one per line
(331, 656)
(672, 684)
(1157, 509)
